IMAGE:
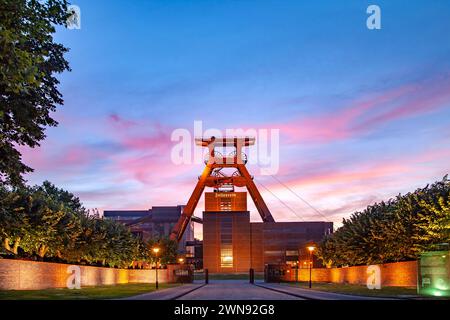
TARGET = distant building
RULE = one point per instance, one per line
(154, 223)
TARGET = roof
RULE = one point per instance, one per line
(126, 213)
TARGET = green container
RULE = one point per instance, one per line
(434, 274)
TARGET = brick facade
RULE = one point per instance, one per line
(30, 275)
(399, 274)
(254, 244)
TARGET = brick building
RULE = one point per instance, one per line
(231, 243)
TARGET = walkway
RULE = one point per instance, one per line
(166, 294)
(314, 294)
(242, 290)
(235, 290)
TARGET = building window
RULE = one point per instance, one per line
(226, 256)
(225, 204)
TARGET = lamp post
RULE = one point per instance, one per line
(297, 266)
(311, 250)
(180, 261)
(156, 251)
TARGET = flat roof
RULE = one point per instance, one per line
(126, 213)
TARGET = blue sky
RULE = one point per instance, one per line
(363, 114)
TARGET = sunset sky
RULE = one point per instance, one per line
(363, 114)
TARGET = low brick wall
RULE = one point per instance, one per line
(399, 274)
(30, 275)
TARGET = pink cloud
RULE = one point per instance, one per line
(368, 113)
(340, 192)
(119, 122)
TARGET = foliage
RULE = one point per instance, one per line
(167, 253)
(396, 230)
(29, 60)
(45, 222)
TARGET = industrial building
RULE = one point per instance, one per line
(233, 244)
(154, 223)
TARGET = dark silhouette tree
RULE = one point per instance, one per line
(29, 60)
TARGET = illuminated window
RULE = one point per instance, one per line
(225, 204)
(226, 256)
(226, 242)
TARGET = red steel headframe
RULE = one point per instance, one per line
(206, 180)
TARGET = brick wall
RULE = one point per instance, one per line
(399, 274)
(30, 275)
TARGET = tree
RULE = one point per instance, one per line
(44, 215)
(168, 250)
(69, 226)
(397, 230)
(14, 222)
(29, 60)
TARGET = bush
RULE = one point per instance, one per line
(396, 230)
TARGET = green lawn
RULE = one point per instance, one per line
(88, 293)
(359, 289)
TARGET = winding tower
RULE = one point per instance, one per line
(213, 176)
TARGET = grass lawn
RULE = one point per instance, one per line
(88, 293)
(359, 289)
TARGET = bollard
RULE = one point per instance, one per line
(252, 276)
(206, 276)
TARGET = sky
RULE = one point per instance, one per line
(363, 114)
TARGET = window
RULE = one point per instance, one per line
(226, 256)
(226, 242)
(291, 253)
(225, 204)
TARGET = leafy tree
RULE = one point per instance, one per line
(168, 250)
(29, 60)
(14, 223)
(396, 230)
(44, 215)
(68, 228)
(50, 223)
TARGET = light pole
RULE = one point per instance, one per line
(311, 250)
(180, 261)
(156, 251)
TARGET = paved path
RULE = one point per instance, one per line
(313, 294)
(242, 290)
(166, 294)
(235, 290)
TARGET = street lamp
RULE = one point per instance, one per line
(311, 250)
(180, 261)
(156, 251)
